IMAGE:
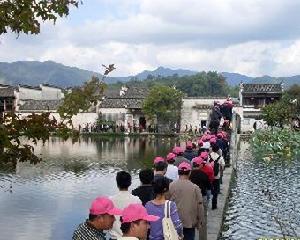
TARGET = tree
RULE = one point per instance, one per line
(80, 99)
(13, 130)
(25, 15)
(163, 103)
(279, 113)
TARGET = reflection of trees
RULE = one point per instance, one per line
(135, 152)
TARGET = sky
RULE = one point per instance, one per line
(251, 37)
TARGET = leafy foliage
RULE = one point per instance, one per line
(25, 15)
(81, 99)
(276, 144)
(281, 112)
(164, 103)
(33, 128)
(201, 84)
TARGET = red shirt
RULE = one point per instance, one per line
(209, 171)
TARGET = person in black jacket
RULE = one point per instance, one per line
(145, 190)
(189, 153)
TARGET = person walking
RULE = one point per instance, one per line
(145, 190)
(188, 199)
(101, 218)
(135, 222)
(157, 207)
(122, 199)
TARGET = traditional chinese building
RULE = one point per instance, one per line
(124, 106)
(254, 96)
(8, 98)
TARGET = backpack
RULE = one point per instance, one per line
(169, 230)
(216, 166)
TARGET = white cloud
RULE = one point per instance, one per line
(252, 37)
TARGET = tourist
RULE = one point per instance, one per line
(157, 207)
(145, 190)
(189, 202)
(160, 167)
(198, 177)
(101, 218)
(135, 222)
(218, 164)
(179, 156)
(122, 199)
(189, 152)
(172, 170)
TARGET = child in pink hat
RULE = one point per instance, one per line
(135, 222)
(101, 217)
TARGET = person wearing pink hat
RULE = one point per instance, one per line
(101, 217)
(189, 202)
(122, 199)
(189, 153)
(172, 170)
(179, 156)
(135, 222)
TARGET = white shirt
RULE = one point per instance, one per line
(121, 200)
(172, 172)
(215, 156)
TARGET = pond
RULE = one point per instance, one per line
(48, 200)
(264, 196)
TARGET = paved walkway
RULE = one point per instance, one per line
(215, 217)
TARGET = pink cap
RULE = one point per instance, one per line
(170, 156)
(158, 159)
(204, 155)
(177, 150)
(200, 142)
(213, 140)
(197, 160)
(189, 144)
(184, 166)
(134, 212)
(220, 135)
(103, 205)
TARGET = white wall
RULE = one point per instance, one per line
(79, 119)
(193, 116)
(28, 93)
(51, 93)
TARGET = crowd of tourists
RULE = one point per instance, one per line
(176, 193)
(173, 197)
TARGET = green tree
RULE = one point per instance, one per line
(279, 113)
(163, 103)
(80, 99)
(25, 15)
(14, 130)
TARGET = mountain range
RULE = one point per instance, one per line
(34, 73)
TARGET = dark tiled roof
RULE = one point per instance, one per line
(41, 105)
(7, 92)
(133, 98)
(30, 87)
(49, 85)
(262, 88)
(122, 103)
(132, 92)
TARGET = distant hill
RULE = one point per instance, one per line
(34, 73)
(164, 72)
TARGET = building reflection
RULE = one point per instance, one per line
(94, 153)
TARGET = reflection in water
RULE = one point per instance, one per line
(48, 200)
(261, 191)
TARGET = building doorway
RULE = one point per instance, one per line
(142, 121)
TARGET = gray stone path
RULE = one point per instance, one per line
(215, 217)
